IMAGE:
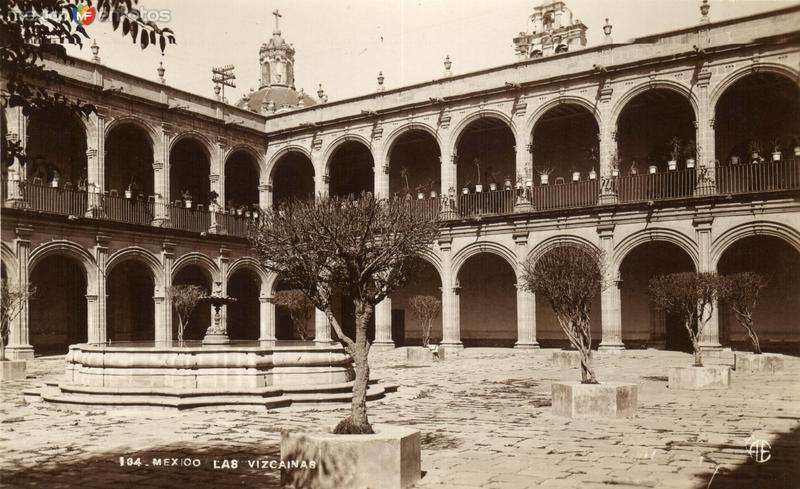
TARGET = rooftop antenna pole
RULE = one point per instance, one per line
(223, 76)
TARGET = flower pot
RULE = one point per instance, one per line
(507, 183)
(776, 156)
(576, 176)
(247, 214)
(238, 212)
(465, 190)
(652, 169)
(755, 156)
(479, 188)
(420, 195)
(492, 187)
(734, 160)
(128, 194)
(188, 204)
(529, 183)
(690, 163)
(544, 179)
(255, 215)
(433, 194)
(615, 172)
(671, 164)
(797, 150)
(54, 183)
(593, 175)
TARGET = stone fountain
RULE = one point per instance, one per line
(217, 333)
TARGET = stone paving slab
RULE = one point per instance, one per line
(485, 419)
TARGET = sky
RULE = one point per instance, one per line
(343, 44)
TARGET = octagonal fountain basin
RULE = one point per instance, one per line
(189, 375)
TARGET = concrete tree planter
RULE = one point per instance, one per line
(765, 362)
(566, 359)
(422, 354)
(389, 459)
(12, 369)
(712, 377)
(605, 400)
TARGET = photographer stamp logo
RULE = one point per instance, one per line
(759, 450)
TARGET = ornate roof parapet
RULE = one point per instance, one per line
(551, 30)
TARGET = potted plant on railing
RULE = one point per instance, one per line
(477, 163)
(576, 175)
(56, 178)
(465, 188)
(213, 205)
(420, 192)
(690, 153)
(404, 176)
(492, 183)
(507, 183)
(634, 169)
(795, 142)
(426, 308)
(187, 199)
(544, 174)
(755, 151)
(776, 149)
(616, 162)
(674, 153)
(432, 186)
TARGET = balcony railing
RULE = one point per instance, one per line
(735, 179)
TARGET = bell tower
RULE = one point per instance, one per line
(551, 30)
(277, 59)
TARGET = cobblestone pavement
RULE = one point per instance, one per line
(485, 420)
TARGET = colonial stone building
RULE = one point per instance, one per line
(672, 152)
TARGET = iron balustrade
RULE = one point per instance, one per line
(731, 179)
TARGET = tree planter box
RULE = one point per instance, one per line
(12, 369)
(765, 362)
(566, 359)
(421, 354)
(389, 459)
(712, 377)
(606, 400)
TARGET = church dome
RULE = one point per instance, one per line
(281, 96)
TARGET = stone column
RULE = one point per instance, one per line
(19, 346)
(265, 196)
(164, 328)
(267, 316)
(381, 182)
(16, 123)
(704, 136)
(322, 330)
(321, 178)
(161, 177)
(709, 338)
(161, 310)
(97, 328)
(610, 305)
(95, 165)
(451, 308)
(526, 301)
(383, 325)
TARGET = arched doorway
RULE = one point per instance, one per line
(189, 169)
(778, 307)
(406, 327)
(485, 154)
(351, 170)
(243, 315)
(56, 148)
(129, 161)
(762, 108)
(414, 165)
(643, 324)
(200, 319)
(647, 126)
(565, 140)
(57, 312)
(241, 181)
(130, 314)
(488, 301)
(292, 178)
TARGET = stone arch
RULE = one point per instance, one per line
(272, 164)
(330, 150)
(9, 259)
(205, 263)
(758, 228)
(398, 132)
(537, 114)
(258, 158)
(555, 241)
(632, 93)
(143, 256)
(476, 248)
(72, 250)
(464, 123)
(685, 243)
(199, 137)
(720, 88)
(249, 263)
(138, 122)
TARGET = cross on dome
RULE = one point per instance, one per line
(277, 15)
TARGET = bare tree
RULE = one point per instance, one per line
(426, 308)
(362, 247)
(740, 291)
(13, 299)
(184, 300)
(569, 277)
(691, 296)
(300, 308)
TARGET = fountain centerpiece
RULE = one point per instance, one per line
(217, 333)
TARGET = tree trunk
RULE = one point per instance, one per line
(698, 353)
(585, 349)
(753, 339)
(358, 422)
(2, 349)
